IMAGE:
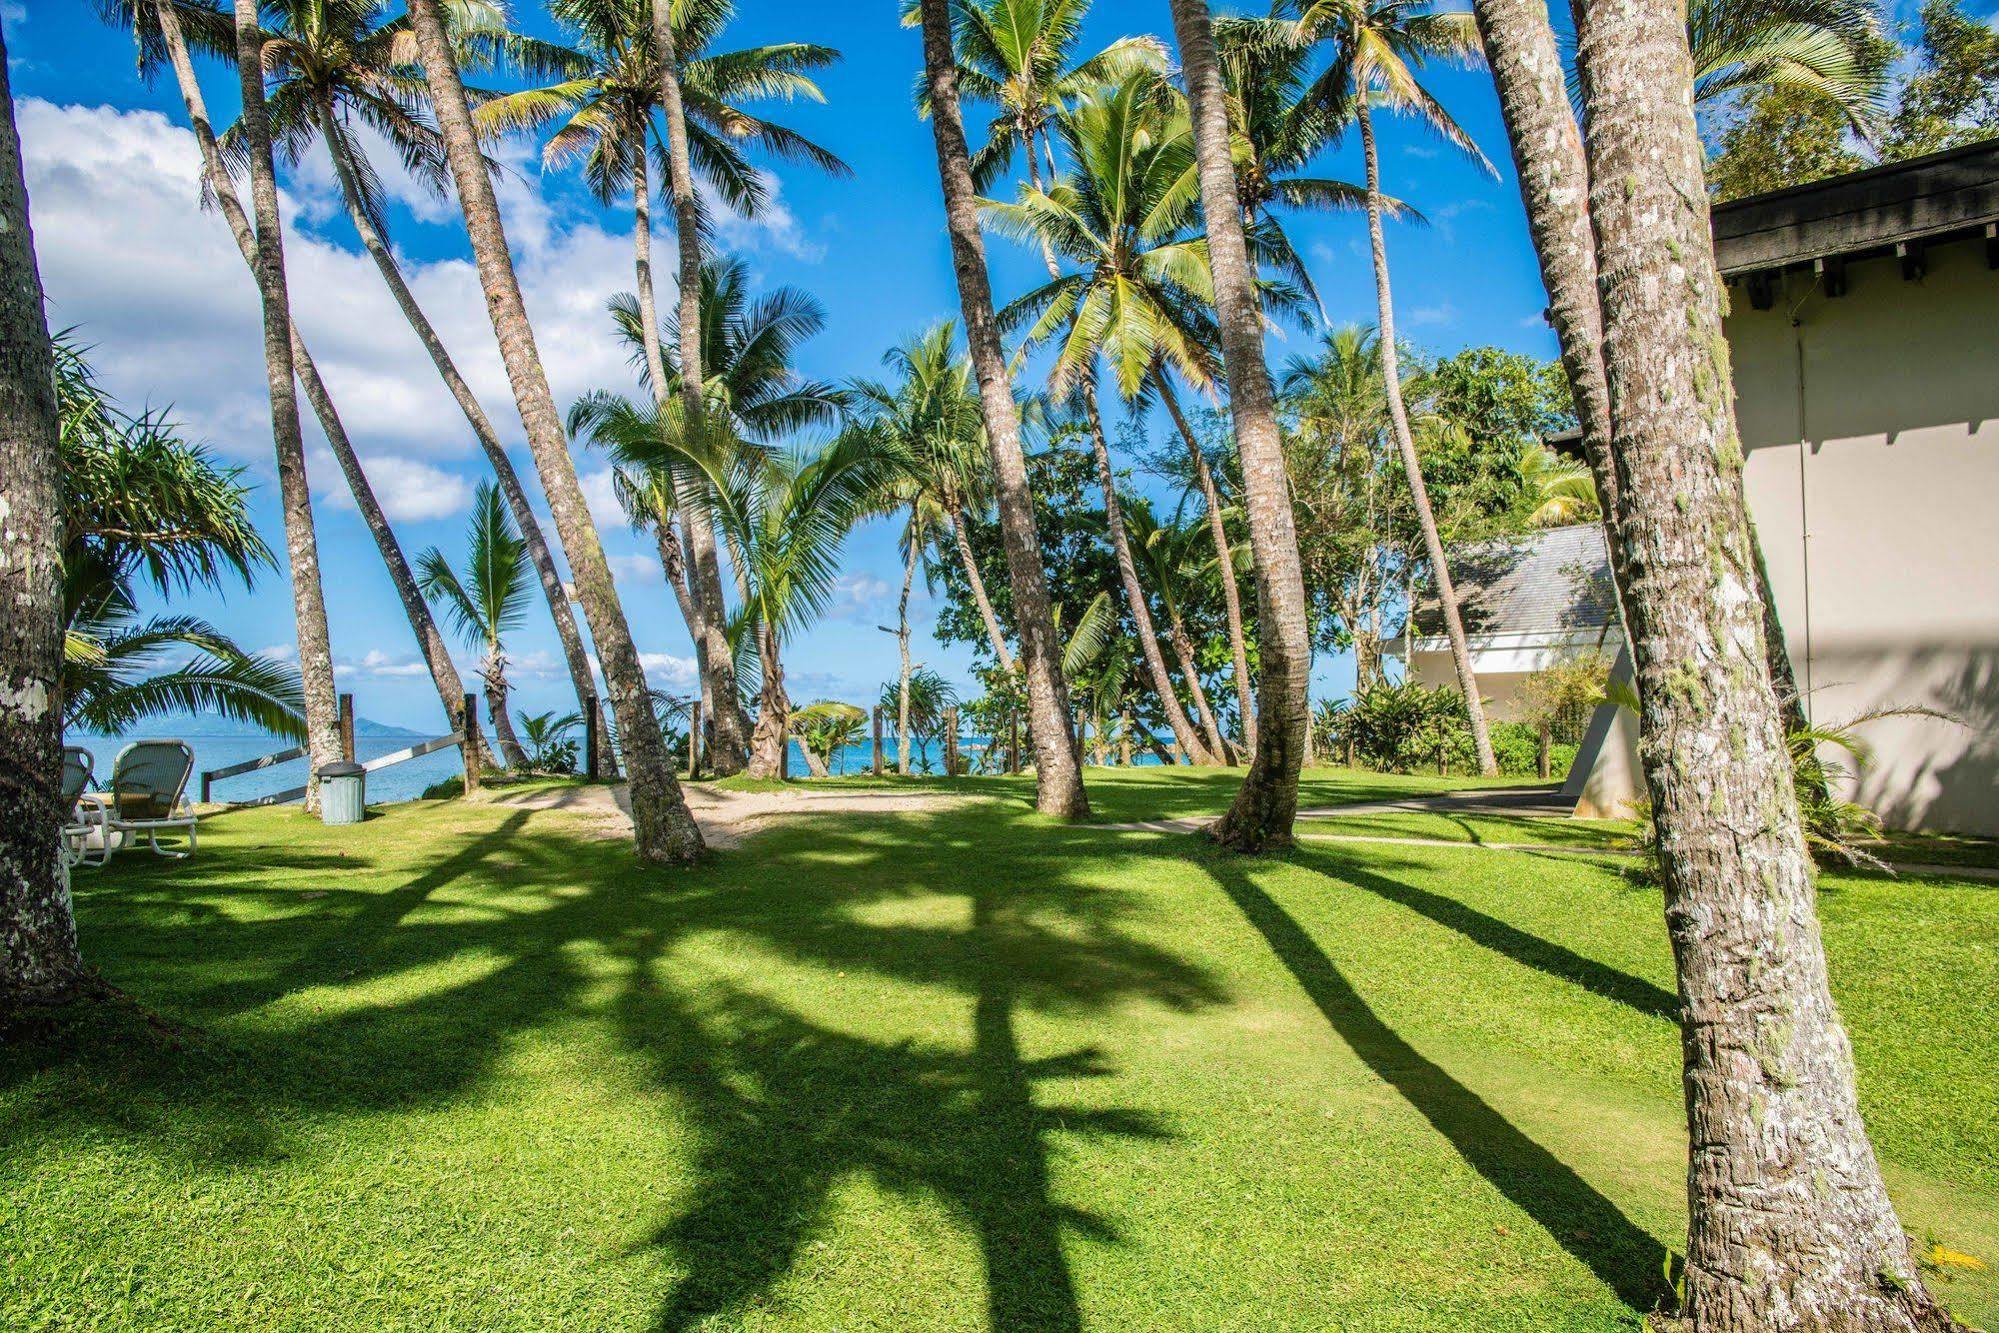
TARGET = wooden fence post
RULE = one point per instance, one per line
(951, 741)
(468, 717)
(694, 739)
(878, 740)
(347, 728)
(1013, 745)
(590, 711)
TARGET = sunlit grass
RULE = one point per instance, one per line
(462, 1067)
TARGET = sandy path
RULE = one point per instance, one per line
(725, 817)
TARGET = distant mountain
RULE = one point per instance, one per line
(213, 726)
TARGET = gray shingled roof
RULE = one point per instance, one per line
(1553, 581)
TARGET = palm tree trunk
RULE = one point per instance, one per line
(494, 673)
(430, 644)
(730, 723)
(673, 560)
(1183, 648)
(662, 827)
(509, 480)
(1266, 807)
(1224, 556)
(1058, 773)
(1419, 494)
(38, 954)
(767, 741)
(902, 645)
(315, 650)
(1791, 1226)
(1554, 181)
(721, 708)
(962, 540)
(1134, 594)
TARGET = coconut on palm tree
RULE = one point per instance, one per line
(486, 601)
(1058, 774)
(663, 829)
(607, 102)
(335, 67)
(1378, 48)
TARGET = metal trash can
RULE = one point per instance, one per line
(343, 793)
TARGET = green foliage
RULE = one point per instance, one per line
(1402, 726)
(826, 728)
(550, 741)
(930, 695)
(1560, 697)
(1953, 97)
(143, 506)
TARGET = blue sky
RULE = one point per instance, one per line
(153, 283)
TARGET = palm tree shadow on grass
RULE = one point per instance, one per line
(1506, 939)
(788, 1108)
(783, 1106)
(1623, 1255)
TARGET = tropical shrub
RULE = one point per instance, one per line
(550, 741)
(825, 729)
(930, 695)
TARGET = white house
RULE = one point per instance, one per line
(1864, 327)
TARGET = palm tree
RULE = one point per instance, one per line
(1058, 775)
(608, 98)
(1133, 299)
(1178, 567)
(315, 652)
(1340, 477)
(1018, 56)
(1790, 1222)
(1267, 804)
(336, 65)
(1553, 490)
(1820, 48)
(38, 953)
(930, 419)
(485, 604)
(662, 826)
(1378, 47)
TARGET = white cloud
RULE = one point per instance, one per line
(666, 669)
(861, 596)
(157, 288)
(775, 226)
(638, 568)
(408, 489)
(377, 663)
(1441, 313)
(602, 494)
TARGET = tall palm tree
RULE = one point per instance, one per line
(1267, 804)
(336, 65)
(486, 602)
(1058, 773)
(1378, 48)
(1820, 48)
(38, 953)
(1133, 298)
(608, 101)
(1177, 567)
(315, 651)
(663, 828)
(1019, 57)
(1790, 1222)
(929, 417)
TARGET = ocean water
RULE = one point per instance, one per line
(407, 781)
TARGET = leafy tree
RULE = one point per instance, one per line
(550, 742)
(824, 730)
(1953, 98)
(922, 696)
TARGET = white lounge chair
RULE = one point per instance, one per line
(148, 791)
(84, 814)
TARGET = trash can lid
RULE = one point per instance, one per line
(340, 771)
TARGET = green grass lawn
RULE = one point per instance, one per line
(460, 1067)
